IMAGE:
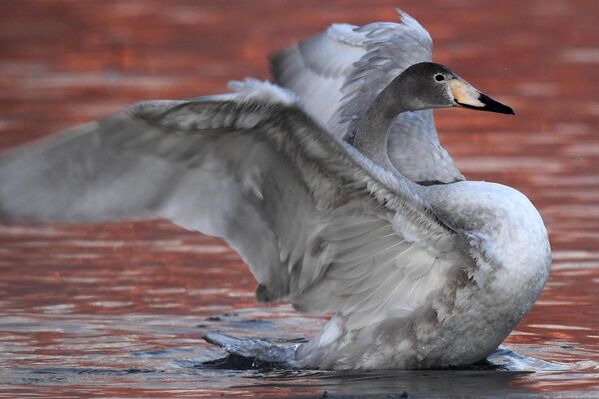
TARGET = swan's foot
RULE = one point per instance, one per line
(252, 353)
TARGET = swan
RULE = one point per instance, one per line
(338, 73)
(414, 276)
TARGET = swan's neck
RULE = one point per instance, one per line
(371, 134)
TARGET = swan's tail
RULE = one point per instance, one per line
(254, 352)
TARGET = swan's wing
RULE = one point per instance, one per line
(317, 67)
(339, 72)
(316, 222)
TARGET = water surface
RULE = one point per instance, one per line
(118, 310)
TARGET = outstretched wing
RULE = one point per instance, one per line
(316, 222)
(339, 72)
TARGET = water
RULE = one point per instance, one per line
(118, 310)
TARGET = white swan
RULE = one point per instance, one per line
(416, 276)
(339, 72)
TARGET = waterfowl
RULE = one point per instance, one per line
(338, 73)
(415, 276)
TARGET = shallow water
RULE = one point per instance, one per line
(118, 310)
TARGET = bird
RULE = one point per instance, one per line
(413, 276)
(338, 73)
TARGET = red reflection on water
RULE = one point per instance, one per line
(88, 296)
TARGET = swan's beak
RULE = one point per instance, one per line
(468, 97)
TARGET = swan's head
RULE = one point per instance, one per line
(430, 85)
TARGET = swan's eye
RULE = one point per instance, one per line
(439, 77)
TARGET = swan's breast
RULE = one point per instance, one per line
(505, 236)
(498, 223)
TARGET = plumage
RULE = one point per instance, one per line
(339, 72)
(415, 276)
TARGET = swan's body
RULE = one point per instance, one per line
(466, 305)
(416, 276)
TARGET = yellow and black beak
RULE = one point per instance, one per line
(468, 97)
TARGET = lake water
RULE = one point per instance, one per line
(118, 310)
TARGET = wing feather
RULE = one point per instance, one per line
(316, 222)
